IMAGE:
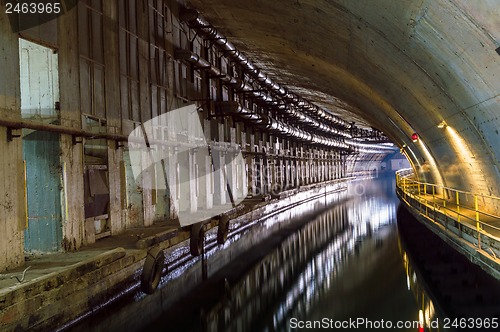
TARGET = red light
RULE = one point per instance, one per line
(414, 137)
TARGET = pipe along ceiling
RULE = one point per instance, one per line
(402, 67)
(274, 96)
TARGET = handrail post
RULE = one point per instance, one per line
(444, 198)
(434, 200)
(458, 206)
(425, 199)
(478, 226)
(477, 211)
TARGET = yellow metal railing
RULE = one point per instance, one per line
(475, 211)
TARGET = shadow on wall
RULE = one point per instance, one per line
(452, 174)
(450, 171)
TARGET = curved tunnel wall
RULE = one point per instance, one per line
(401, 66)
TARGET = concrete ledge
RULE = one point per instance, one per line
(55, 279)
(156, 239)
(60, 295)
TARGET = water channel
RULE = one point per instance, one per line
(336, 261)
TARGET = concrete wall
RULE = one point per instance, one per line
(116, 71)
(400, 66)
(12, 206)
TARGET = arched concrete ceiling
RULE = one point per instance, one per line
(401, 66)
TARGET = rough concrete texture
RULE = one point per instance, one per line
(401, 66)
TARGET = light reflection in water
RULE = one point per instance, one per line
(296, 278)
(340, 263)
(428, 314)
(447, 286)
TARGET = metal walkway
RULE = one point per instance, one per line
(470, 217)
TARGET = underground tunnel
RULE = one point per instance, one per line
(249, 165)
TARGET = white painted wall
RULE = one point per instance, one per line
(39, 80)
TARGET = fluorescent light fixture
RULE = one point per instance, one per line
(442, 124)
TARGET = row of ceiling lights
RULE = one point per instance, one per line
(195, 21)
(287, 102)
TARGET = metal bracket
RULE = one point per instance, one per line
(218, 76)
(194, 37)
(119, 144)
(10, 135)
(75, 141)
(213, 41)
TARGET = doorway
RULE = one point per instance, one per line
(39, 82)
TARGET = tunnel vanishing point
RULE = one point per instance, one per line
(311, 94)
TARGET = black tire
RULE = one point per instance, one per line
(152, 270)
(196, 239)
(223, 229)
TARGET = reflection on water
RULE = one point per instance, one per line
(343, 264)
(427, 313)
(451, 291)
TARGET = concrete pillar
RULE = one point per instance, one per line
(343, 166)
(267, 165)
(243, 171)
(273, 165)
(306, 166)
(322, 165)
(71, 154)
(173, 180)
(162, 191)
(315, 164)
(301, 172)
(336, 164)
(145, 108)
(282, 168)
(182, 184)
(330, 166)
(148, 185)
(219, 158)
(252, 165)
(203, 173)
(260, 167)
(113, 115)
(294, 169)
(323, 156)
(12, 213)
(193, 181)
(115, 156)
(232, 167)
(286, 165)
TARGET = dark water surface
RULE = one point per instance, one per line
(342, 263)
